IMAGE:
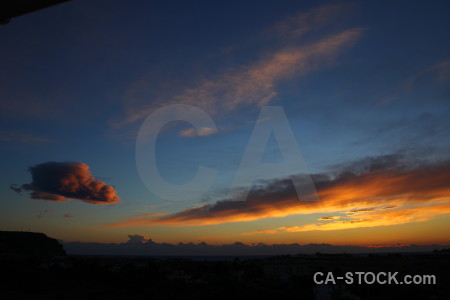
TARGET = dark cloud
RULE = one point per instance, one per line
(15, 188)
(389, 207)
(328, 218)
(68, 216)
(359, 187)
(362, 210)
(61, 181)
(136, 239)
(373, 164)
(42, 213)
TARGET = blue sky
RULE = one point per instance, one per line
(355, 79)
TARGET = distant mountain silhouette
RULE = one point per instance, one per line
(18, 243)
(140, 245)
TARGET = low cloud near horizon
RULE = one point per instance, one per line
(62, 181)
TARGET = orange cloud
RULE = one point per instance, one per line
(191, 132)
(62, 181)
(256, 83)
(401, 216)
(376, 197)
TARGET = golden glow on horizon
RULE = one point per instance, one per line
(370, 200)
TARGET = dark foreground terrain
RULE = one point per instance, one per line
(283, 277)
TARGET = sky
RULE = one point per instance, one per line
(270, 122)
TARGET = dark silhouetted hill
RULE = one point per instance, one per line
(17, 243)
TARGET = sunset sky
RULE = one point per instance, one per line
(364, 86)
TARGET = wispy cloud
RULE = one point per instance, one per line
(401, 215)
(389, 207)
(256, 83)
(297, 25)
(329, 218)
(374, 195)
(191, 132)
(42, 213)
(440, 72)
(17, 136)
